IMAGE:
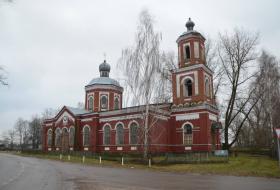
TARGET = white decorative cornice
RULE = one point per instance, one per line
(105, 87)
(188, 116)
(179, 108)
(194, 66)
(161, 117)
(86, 119)
(121, 118)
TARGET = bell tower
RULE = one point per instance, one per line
(192, 82)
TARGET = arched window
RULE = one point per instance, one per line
(106, 135)
(71, 136)
(90, 103)
(133, 133)
(187, 52)
(188, 87)
(188, 135)
(49, 137)
(120, 134)
(104, 102)
(207, 87)
(86, 136)
(58, 137)
(116, 103)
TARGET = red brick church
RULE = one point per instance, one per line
(189, 123)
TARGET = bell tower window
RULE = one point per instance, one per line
(188, 87)
(187, 51)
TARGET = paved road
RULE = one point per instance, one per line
(22, 173)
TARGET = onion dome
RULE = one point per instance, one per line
(190, 24)
(104, 67)
(104, 79)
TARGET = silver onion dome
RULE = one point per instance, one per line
(190, 24)
(104, 67)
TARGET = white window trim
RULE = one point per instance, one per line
(184, 88)
(184, 131)
(116, 136)
(90, 96)
(119, 98)
(196, 50)
(57, 131)
(184, 51)
(49, 130)
(105, 125)
(178, 83)
(129, 125)
(72, 127)
(66, 129)
(86, 126)
(103, 94)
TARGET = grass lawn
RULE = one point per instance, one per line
(243, 165)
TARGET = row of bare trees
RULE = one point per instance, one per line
(258, 131)
(27, 134)
(247, 87)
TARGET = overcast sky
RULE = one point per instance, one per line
(51, 49)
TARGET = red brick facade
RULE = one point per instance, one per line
(189, 123)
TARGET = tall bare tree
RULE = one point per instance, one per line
(264, 116)
(146, 76)
(21, 129)
(49, 113)
(35, 131)
(9, 137)
(236, 52)
(213, 62)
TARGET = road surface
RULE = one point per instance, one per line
(24, 173)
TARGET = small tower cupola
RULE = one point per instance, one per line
(191, 48)
(104, 69)
(103, 93)
(190, 24)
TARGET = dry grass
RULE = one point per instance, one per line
(243, 165)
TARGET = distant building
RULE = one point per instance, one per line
(189, 123)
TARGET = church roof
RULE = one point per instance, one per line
(104, 81)
(77, 111)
